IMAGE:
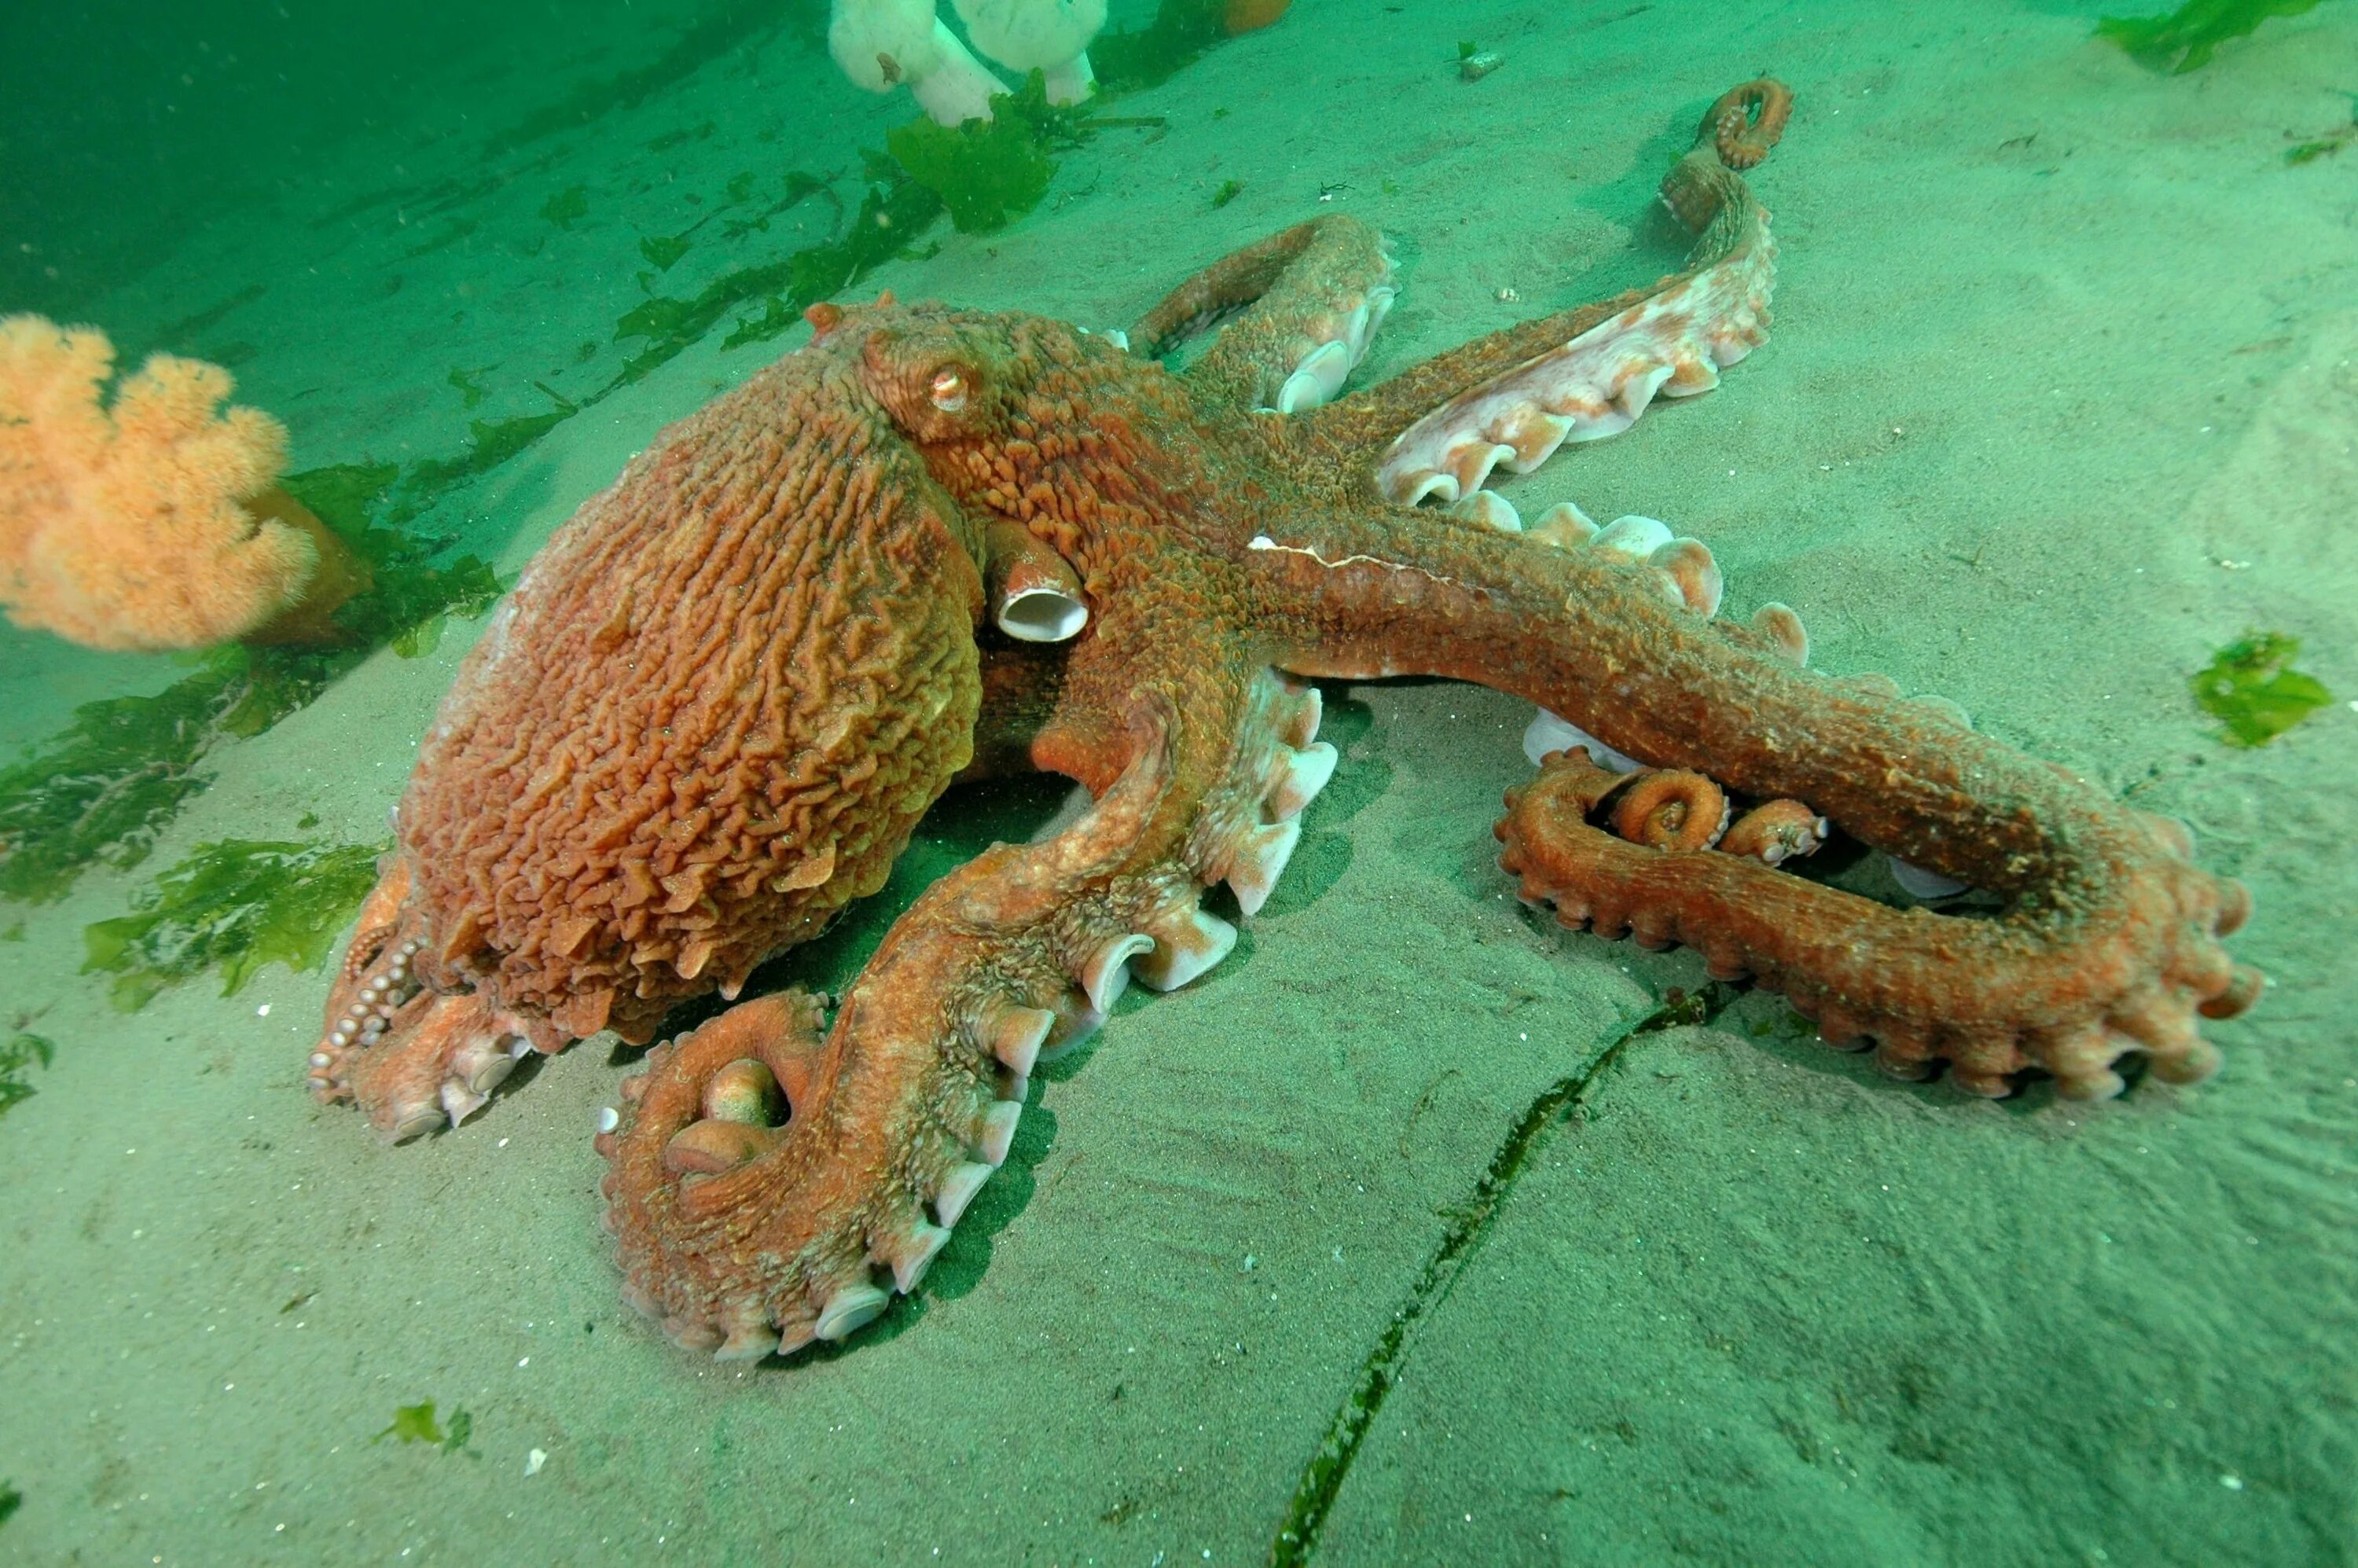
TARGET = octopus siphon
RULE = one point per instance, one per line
(935, 542)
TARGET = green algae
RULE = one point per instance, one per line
(662, 251)
(21, 1053)
(671, 326)
(233, 906)
(1138, 58)
(894, 213)
(2332, 141)
(417, 1423)
(100, 791)
(489, 443)
(2252, 689)
(2184, 40)
(988, 173)
(411, 586)
(470, 391)
(567, 205)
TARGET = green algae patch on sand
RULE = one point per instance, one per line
(663, 251)
(22, 1052)
(233, 906)
(2253, 690)
(100, 791)
(988, 173)
(567, 205)
(2332, 141)
(886, 222)
(894, 213)
(417, 1423)
(2184, 40)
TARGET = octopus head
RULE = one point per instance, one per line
(720, 698)
(1028, 425)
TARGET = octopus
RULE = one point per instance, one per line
(933, 543)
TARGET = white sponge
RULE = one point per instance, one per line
(882, 44)
(1050, 35)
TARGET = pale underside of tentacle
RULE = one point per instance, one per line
(1673, 343)
(745, 1233)
(1294, 315)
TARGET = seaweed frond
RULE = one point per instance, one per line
(22, 1052)
(1136, 57)
(415, 1424)
(991, 172)
(100, 791)
(2332, 141)
(233, 906)
(2252, 689)
(2183, 40)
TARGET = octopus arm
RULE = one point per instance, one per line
(1294, 315)
(749, 1224)
(2109, 945)
(1514, 397)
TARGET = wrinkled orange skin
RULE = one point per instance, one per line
(627, 796)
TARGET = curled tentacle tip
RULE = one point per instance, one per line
(2234, 907)
(2243, 988)
(1776, 831)
(1670, 808)
(2104, 1084)
(2192, 1065)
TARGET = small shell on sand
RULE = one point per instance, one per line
(1474, 67)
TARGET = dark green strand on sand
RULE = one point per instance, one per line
(1469, 1223)
(231, 906)
(2331, 141)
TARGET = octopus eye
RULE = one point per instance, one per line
(949, 390)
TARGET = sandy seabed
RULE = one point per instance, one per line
(2062, 395)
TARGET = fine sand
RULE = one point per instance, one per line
(2062, 395)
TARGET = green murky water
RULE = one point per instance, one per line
(1420, 1230)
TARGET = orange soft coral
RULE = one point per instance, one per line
(1246, 16)
(155, 523)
